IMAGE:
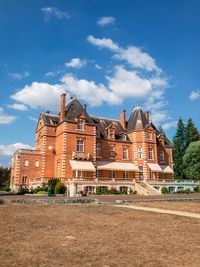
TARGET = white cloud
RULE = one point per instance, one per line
(169, 125)
(89, 91)
(32, 119)
(53, 12)
(17, 106)
(75, 63)
(4, 118)
(40, 95)
(50, 74)
(103, 21)
(103, 43)
(8, 150)
(98, 67)
(194, 95)
(132, 55)
(19, 76)
(127, 84)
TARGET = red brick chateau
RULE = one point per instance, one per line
(87, 152)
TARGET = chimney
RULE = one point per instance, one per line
(62, 106)
(122, 118)
(147, 115)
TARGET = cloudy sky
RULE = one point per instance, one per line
(112, 54)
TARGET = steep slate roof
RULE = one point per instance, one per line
(104, 123)
(50, 119)
(74, 109)
(137, 120)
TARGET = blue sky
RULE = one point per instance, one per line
(113, 55)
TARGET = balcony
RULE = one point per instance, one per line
(80, 155)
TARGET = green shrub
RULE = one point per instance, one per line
(131, 192)
(165, 190)
(59, 188)
(52, 184)
(184, 191)
(42, 192)
(197, 189)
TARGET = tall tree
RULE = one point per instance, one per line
(179, 146)
(4, 176)
(191, 161)
(192, 134)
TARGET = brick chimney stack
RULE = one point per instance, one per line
(147, 115)
(122, 118)
(62, 106)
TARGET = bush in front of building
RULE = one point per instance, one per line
(184, 191)
(40, 189)
(197, 189)
(164, 190)
(52, 184)
(60, 188)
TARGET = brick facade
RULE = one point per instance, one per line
(75, 136)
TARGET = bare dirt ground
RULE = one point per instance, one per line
(95, 235)
(178, 206)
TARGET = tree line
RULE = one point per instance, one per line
(186, 151)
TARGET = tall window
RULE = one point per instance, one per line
(99, 174)
(80, 146)
(125, 174)
(152, 175)
(125, 153)
(150, 152)
(24, 179)
(112, 151)
(139, 153)
(80, 125)
(150, 135)
(98, 150)
(141, 175)
(37, 163)
(112, 174)
(79, 174)
(162, 156)
(26, 163)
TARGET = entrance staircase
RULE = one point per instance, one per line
(143, 188)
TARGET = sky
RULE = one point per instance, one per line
(111, 54)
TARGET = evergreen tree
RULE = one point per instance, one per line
(191, 161)
(192, 134)
(179, 146)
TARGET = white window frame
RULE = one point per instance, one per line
(79, 145)
(150, 153)
(37, 163)
(80, 125)
(150, 135)
(112, 174)
(26, 163)
(98, 150)
(112, 151)
(125, 174)
(125, 152)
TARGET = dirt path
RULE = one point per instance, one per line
(173, 212)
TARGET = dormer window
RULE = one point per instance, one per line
(150, 135)
(98, 134)
(80, 125)
(112, 134)
(124, 137)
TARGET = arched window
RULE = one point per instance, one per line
(26, 163)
